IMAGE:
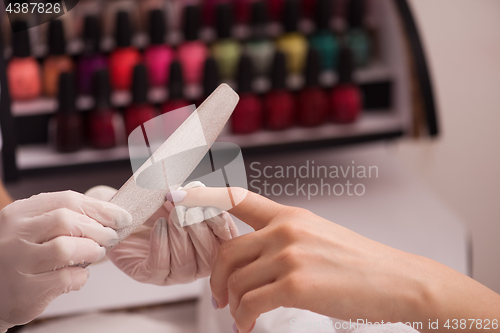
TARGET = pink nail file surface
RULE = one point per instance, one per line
(176, 158)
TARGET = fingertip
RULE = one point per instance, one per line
(176, 196)
(178, 215)
(77, 278)
(235, 328)
(214, 303)
(123, 219)
(160, 227)
(102, 253)
(218, 300)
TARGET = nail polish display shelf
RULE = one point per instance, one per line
(39, 156)
(376, 72)
(395, 86)
(373, 123)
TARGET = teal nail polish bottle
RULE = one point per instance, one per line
(323, 40)
(258, 47)
(357, 37)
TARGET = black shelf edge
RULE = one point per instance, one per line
(422, 68)
(9, 137)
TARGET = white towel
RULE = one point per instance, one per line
(282, 320)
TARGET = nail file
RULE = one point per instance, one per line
(177, 157)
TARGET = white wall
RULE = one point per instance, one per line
(462, 41)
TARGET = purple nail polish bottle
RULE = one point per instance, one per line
(91, 60)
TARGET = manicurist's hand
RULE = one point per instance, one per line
(176, 245)
(298, 259)
(41, 239)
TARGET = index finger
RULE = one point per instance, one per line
(106, 213)
(253, 209)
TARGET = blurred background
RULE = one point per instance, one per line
(462, 42)
(410, 86)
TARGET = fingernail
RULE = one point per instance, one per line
(124, 220)
(102, 254)
(235, 329)
(113, 238)
(88, 272)
(214, 303)
(176, 196)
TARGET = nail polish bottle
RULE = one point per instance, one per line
(140, 111)
(57, 62)
(312, 108)
(248, 114)
(292, 43)
(192, 53)
(102, 129)
(123, 59)
(23, 71)
(275, 9)
(208, 10)
(357, 37)
(91, 60)
(260, 48)
(211, 78)
(158, 56)
(345, 98)
(279, 104)
(68, 121)
(177, 106)
(323, 39)
(226, 50)
(308, 8)
(242, 11)
(176, 99)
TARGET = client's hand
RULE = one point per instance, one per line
(298, 259)
(172, 247)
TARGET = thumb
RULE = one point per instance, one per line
(253, 209)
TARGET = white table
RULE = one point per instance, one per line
(397, 210)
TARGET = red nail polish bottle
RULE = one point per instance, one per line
(102, 119)
(23, 71)
(68, 121)
(158, 56)
(247, 117)
(140, 111)
(193, 52)
(345, 99)
(312, 102)
(176, 98)
(123, 59)
(279, 104)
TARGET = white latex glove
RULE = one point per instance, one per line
(162, 252)
(41, 238)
